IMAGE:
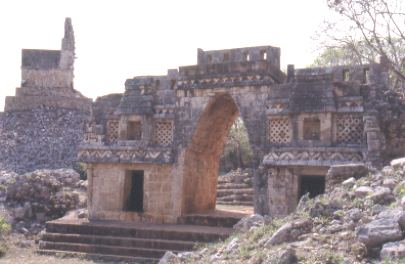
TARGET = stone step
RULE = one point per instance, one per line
(247, 203)
(208, 220)
(236, 197)
(221, 186)
(192, 233)
(103, 249)
(98, 257)
(245, 191)
(162, 244)
(128, 239)
(235, 180)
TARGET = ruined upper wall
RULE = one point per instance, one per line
(233, 67)
(146, 95)
(40, 59)
(44, 123)
(261, 53)
(50, 68)
(47, 79)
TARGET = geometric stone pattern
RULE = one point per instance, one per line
(112, 130)
(117, 155)
(349, 129)
(279, 130)
(163, 133)
(314, 156)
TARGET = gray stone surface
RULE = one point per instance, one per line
(378, 232)
(249, 222)
(168, 257)
(289, 232)
(393, 250)
(363, 191)
(382, 195)
(41, 138)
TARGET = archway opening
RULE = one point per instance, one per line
(202, 156)
(235, 179)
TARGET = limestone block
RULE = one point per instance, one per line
(378, 232)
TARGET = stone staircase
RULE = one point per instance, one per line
(132, 242)
(235, 188)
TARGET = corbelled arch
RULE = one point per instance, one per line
(202, 154)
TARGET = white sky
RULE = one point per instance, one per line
(116, 40)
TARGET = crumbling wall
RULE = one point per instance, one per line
(41, 138)
(1, 121)
(391, 116)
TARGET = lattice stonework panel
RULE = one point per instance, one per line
(163, 133)
(112, 130)
(279, 130)
(349, 129)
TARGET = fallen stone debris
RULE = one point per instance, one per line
(29, 200)
(361, 220)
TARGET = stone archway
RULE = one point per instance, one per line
(202, 155)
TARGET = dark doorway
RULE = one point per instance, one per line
(134, 191)
(314, 185)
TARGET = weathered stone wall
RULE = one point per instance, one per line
(25, 103)
(46, 120)
(47, 78)
(1, 121)
(339, 173)
(390, 117)
(41, 138)
(264, 53)
(106, 197)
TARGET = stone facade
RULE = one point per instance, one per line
(44, 123)
(153, 152)
(299, 125)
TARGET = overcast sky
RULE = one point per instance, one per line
(116, 40)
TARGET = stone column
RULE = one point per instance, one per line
(372, 133)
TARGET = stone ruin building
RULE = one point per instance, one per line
(155, 157)
(43, 124)
(152, 153)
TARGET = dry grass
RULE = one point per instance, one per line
(19, 255)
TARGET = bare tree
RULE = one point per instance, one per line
(368, 29)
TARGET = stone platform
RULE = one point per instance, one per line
(135, 242)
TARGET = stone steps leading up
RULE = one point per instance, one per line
(232, 202)
(207, 220)
(137, 230)
(102, 249)
(233, 186)
(246, 191)
(236, 197)
(97, 257)
(134, 240)
(119, 241)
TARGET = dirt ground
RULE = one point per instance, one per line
(22, 251)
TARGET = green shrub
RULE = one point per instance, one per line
(80, 168)
(5, 229)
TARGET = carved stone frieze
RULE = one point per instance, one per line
(125, 155)
(312, 156)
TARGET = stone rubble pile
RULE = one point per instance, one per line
(40, 138)
(361, 220)
(31, 199)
